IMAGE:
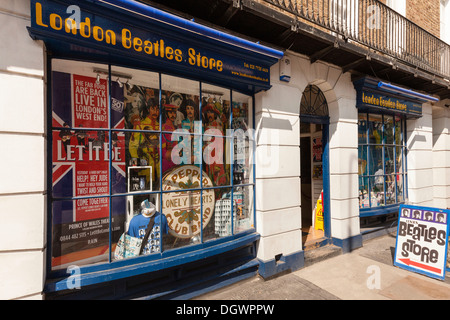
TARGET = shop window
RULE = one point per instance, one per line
(381, 160)
(133, 148)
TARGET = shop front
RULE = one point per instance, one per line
(151, 176)
(384, 112)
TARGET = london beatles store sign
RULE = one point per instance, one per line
(51, 19)
(370, 97)
(385, 102)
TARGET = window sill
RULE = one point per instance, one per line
(120, 271)
(378, 211)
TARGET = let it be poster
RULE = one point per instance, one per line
(81, 152)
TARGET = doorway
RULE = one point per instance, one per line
(314, 168)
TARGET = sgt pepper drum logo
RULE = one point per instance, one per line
(182, 208)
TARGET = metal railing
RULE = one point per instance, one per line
(375, 25)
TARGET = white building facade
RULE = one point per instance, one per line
(283, 217)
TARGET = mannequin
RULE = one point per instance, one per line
(139, 223)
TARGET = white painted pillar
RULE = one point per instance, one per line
(345, 222)
(441, 155)
(278, 214)
(420, 158)
(23, 159)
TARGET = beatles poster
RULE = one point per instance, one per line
(422, 240)
(81, 167)
(317, 149)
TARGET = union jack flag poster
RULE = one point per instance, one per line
(82, 177)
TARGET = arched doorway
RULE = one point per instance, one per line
(314, 162)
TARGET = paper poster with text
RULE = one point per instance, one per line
(81, 152)
(422, 240)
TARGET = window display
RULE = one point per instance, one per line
(216, 122)
(381, 155)
(144, 233)
(243, 141)
(144, 163)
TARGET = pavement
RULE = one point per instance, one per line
(367, 273)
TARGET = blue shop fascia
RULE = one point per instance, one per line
(121, 77)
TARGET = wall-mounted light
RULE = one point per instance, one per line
(114, 74)
(98, 79)
(119, 83)
(208, 94)
(129, 85)
(285, 69)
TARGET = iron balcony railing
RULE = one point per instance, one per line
(375, 25)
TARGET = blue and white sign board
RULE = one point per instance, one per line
(422, 240)
(138, 32)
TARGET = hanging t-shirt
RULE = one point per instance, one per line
(138, 227)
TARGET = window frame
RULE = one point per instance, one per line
(367, 176)
(153, 260)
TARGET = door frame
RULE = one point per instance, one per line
(325, 122)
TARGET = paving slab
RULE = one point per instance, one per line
(367, 273)
(286, 287)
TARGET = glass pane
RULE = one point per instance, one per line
(399, 159)
(190, 111)
(180, 105)
(216, 119)
(138, 166)
(313, 102)
(80, 163)
(388, 129)
(364, 192)
(187, 149)
(375, 129)
(389, 160)
(377, 191)
(216, 159)
(80, 232)
(376, 160)
(183, 208)
(134, 214)
(79, 94)
(400, 182)
(242, 111)
(362, 128)
(135, 96)
(221, 221)
(362, 160)
(390, 190)
(215, 109)
(243, 148)
(398, 131)
(243, 209)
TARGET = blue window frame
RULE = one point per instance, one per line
(382, 165)
(107, 157)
